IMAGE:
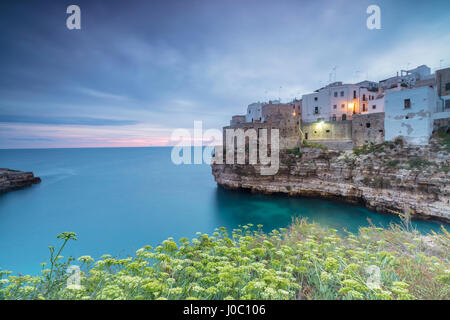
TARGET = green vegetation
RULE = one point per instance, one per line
(288, 188)
(305, 261)
(444, 139)
(374, 148)
(418, 163)
(295, 151)
(380, 183)
(392, 163)
(307, 144)
(377, 182)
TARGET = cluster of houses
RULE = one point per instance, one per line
(411, 105)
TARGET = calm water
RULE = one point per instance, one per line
(118, 200)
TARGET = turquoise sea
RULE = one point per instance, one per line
(120, 199)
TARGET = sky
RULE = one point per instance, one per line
(138, 70)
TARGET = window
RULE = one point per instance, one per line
(447, 86)
(316, 110)
(342, 93)
(315, 98)
(364, 97)
(344, 117)
(354, 94)
(368, 125)
(334, 117)
(407, 103)
(335, 106)
(327, 130)
(335, 94)
(374, 106)
(306, 136)
(343, 106)
(447, 104)
(364, 107)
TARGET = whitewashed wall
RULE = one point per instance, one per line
(414, 124)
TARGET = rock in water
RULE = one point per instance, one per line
(15, 179)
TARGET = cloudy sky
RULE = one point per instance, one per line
(137, 70)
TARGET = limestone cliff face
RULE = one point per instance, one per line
(14, 179)
(389, 178)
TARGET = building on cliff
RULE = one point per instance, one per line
(285, 117)
(412, 105)
(329, 113)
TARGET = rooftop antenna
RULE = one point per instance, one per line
(334, 70)
(357, 72)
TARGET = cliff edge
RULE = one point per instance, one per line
(389, 177)
(15, 179)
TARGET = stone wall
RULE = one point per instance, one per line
(288, 127)
(335, 130)
(367, 128)
(237, 120)
(441, 123)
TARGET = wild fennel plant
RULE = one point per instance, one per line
(305, 261)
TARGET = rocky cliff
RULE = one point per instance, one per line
(389, 177)
(14, 179)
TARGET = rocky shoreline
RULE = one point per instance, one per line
(390, 177)
(14, 179)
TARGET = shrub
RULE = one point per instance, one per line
(419, 163)
(305, 261)
(392, 163)
(295, 151)
(314, 145)
(380, 183)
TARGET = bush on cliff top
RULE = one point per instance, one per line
(305, 261)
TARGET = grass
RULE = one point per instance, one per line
(307, 144)
(392, 163)
(294, 151)
(444, 138)
(418, 163)
(305, 261)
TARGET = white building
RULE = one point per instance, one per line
(407, 78)
(376, 104)
(409, 113)
(254, 112)
(337, 102)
